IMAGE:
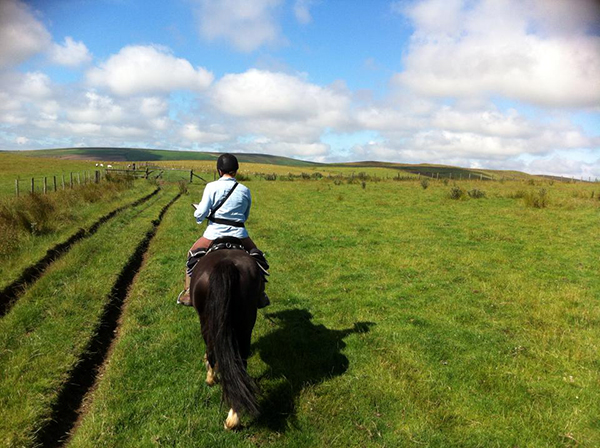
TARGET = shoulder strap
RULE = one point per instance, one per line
(218, 206)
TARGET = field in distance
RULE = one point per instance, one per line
(404, 312)
(259, 162)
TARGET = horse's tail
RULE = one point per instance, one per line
(224, 294)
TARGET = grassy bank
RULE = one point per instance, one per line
(400, 317)
(45, 334)
(30, 225)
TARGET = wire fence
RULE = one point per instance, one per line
(52, 183)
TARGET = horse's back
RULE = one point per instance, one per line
(249, 278)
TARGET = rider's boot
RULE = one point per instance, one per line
(193, 257)
(255, 253)
(184, 296)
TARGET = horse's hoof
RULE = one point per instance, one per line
(210, 382)
(233, 421)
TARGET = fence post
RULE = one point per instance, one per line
(32, 185)
(481, 177)
(71, 181)
(63, 180)
(45, 185)
(191, 176)
(17, 186)
(78, 179)
(146, 171)
(54, 183)
(97, 176)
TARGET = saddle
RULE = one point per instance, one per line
(227, 242)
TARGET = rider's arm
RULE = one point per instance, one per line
(249, 203)
(205, 205)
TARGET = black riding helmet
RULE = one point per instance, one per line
(227, 163)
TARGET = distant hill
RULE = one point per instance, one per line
(442, 171)
(141, 154)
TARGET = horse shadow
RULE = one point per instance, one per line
(298, 354)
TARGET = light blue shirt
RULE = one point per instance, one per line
(235, 208)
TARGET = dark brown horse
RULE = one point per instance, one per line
(225, 288)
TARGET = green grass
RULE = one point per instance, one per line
(400, 317)
(45, 333)
(55, 218)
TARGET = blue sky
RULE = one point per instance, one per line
(505, 84)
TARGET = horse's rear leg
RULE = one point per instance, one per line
(233, 420)
(210, 372)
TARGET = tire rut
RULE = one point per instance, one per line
(56, 430)
(10, 294)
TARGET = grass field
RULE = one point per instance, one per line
(400, 317)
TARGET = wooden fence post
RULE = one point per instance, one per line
(54, 183)
(78, 179)
(17, 186)
(32, 185)
(45, 185)
(191, 175)
(97, 176)
(63, 180)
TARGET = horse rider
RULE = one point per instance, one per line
(226, 205)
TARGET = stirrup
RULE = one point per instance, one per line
(182, 300)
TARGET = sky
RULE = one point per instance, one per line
(499, 84)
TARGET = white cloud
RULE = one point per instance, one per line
(22, 140)
(96, 109)
(146, 69)
(563, 166)
(246, 24)
(263, 94)
(21, 34)
(485, 122)
(153, 107)
(302, 11)
(193, 133)
(34, 86)
(71, 53)
(489, 48)
(282, 108)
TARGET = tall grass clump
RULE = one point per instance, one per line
(183, 186)
(456, 193)
(536, 199)
(36, 214)
(424, 184)
(476, 193)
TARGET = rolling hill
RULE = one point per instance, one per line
(154, 155)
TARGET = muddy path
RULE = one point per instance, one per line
(82, 379)
(10, 294)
